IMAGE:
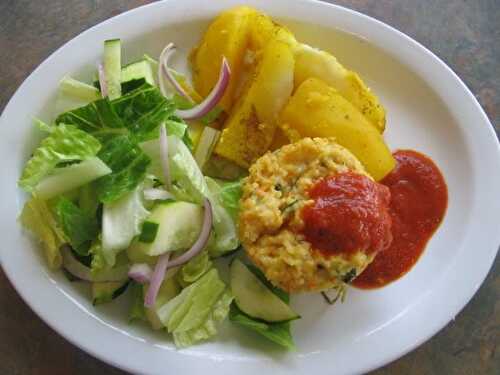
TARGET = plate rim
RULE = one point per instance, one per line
(358, 16)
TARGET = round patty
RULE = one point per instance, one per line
(270, 220)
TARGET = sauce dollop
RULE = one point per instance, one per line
(419, 198)
(350, 213)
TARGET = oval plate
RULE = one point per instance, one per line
(429, 109)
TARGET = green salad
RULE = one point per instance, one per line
(123, 196)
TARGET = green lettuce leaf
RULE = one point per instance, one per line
(193, 314)
(276, 332)
(80, 228)
(38, 219)
(121, 222)
(94, 117)
(209, 327)
(225, 231)
(194, 269)
(193, 304)
(143, 110)
(87, 199)
(128, 164)
(64, 143)
(229, 196)
(139, 112)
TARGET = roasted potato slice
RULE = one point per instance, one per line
(263, 29)
(250, 128)
(318, 110)
(227, 36)
(312, 62)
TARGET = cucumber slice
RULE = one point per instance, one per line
(136, 71)
(255, 299)
(78, 89)
(113, 67)
(68, 178)
(179, 226)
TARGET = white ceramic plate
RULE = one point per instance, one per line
(429, 109)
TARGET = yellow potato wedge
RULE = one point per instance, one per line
(263, 29)
(250, 128)
(226, 36)
(280, 139)
(312, 62)
(318, 110)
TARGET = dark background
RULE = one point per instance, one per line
(464, 33)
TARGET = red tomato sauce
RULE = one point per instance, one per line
(350, 213)
(419, 198)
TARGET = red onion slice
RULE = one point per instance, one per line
(155, 194)
(164, 155)
(164, 71)
(140, 272)
(202, 240)
(212, 99)
(156, 280)
(73, 266)
(102, 80)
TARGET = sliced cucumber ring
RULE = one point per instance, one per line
(255, 299)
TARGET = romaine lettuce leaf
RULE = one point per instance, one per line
(80, 228)
(94, 117)
(38, 218)
(209, 327)
(195, 310)
(87, 199)
(193, 303)
(226, 236)
(143, 110)
(276, 332)
(229, 196)
(121, 222)
(64, 143)
(194, 269)
(139, 112)
(128, 164)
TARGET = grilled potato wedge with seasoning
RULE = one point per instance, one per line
(312, 62)
(250, 128)
(318, 110)
(226, 36)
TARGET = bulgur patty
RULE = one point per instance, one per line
(271, 224)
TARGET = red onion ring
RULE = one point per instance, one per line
(102, 80)
(212, 99)
(202, 240)
(164, 71)
(156, 280)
